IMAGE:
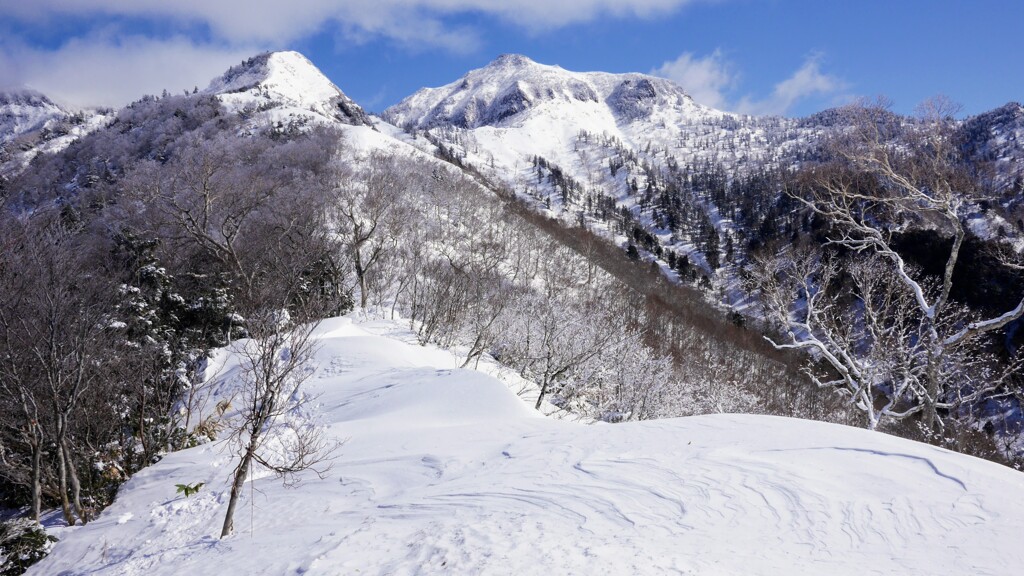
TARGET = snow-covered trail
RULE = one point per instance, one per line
(446, 471)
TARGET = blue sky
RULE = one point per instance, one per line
(790, 57)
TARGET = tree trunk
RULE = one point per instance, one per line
(62, 477)
(361, 276)
(76, 486)
(543, 392)
(37, 472)
(930, 417)
(236, 491)
(143, 434)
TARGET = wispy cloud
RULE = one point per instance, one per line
(543, 14)
(808, 81)
(115, 63)
(101, 70)
(415, 27)
(712, 79)
(405, 20)
(706, 79)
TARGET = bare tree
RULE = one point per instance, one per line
(637, 382)
(551, 341)
(367, 208)
(905, 340)
(21, 398)
(57, 342)
(269, 429)
(208, 197)
(229, 204)
(229, 201)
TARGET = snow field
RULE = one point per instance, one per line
(447, 471)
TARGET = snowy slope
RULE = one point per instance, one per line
(446, 471)
(25, 111)
(515, 108)
(514, 94)
(623, 140)
(997, 136)
(610, 135)
(286, 81)
(31, 124)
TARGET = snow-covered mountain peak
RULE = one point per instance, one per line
(26, 97)
(512, 61)
(513, 84)
(287, 78)
(287, 74)
(509, 85)
(31, 123)
(23, 111)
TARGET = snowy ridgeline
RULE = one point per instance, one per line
(447, 471)
(624, 149)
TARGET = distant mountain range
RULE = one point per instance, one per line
(614, 151)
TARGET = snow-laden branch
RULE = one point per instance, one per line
(901, 348)
(981, 327)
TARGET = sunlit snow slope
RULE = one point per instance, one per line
(287, 82)
(611, 138)
(445, 471)
(32, 124)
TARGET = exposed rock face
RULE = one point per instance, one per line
(633, 98)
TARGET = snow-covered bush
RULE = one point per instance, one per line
(23, 542)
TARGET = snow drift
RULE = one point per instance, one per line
(447, 471)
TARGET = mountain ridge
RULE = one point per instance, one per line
(31, 124)
(289, 79)
(23, 111)
(513, 83)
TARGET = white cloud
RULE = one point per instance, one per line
(705, 79)
(100, 70)
(806, 82)
(545, 14)
(711, 79)
(273, 21)
(230, 20)
(366, 20)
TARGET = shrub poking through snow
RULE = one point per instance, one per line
(189, 489)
